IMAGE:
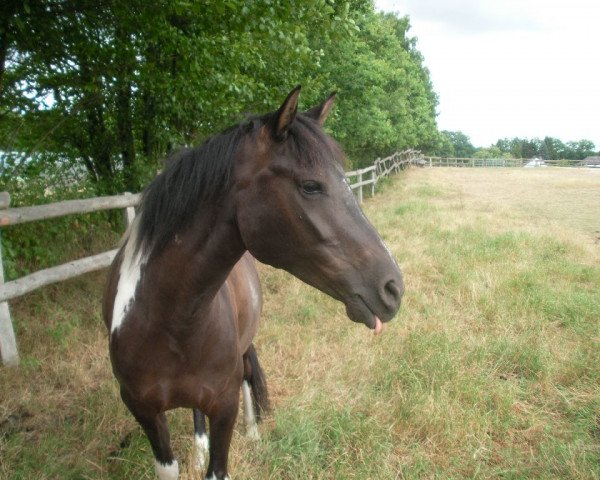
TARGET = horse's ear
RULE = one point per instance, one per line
(286, 114)
(321, 112)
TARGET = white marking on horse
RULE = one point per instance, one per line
(214, 477)
(201, 442)
(167, 471)
(249, 414)
(130, 273)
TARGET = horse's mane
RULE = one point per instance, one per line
(197, 177)
(192, 178)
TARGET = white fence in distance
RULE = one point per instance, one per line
(498, 162)
(12, 216)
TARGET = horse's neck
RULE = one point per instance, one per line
(217, 254)
(198, 261)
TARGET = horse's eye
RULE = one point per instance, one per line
(310, 187)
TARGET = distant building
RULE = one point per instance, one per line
(592, 162)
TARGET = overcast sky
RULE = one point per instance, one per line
(511, 68)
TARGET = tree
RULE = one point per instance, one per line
(581, 149)
(114, 86)
(455, 144)
(491, 152)
(445, 146)
(549, 148)
(386, 100)
(120, 84)
(552, 149)
(514, 146)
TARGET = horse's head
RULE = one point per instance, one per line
(296, 211)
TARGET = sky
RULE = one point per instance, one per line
(511, 68)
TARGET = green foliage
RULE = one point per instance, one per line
(549, 148)
(457, 144)
(454, 144)
(387, 101)
(491, 152)
(115, 88)
(45, 178)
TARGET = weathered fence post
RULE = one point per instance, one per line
(360, 195)
(129, 213)
(374, 180)
(8, 343)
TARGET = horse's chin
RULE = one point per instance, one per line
(358, 311)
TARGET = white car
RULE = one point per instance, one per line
(535, 162)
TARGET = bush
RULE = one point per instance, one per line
(47, 178)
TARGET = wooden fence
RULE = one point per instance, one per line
(16, 288)
(382, 167)
(497, 162)
(12, 216)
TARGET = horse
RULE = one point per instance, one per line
(183, 297)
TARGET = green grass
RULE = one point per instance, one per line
(491, 369)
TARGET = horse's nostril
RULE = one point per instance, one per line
(393, 293)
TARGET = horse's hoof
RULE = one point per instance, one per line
(167, 471)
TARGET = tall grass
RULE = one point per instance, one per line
(491, 369)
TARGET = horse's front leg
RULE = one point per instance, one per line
(222, 420)
(155, 426)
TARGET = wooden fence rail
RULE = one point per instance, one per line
(11, 216)
(14, 216)
(360, 182)
(41, 278)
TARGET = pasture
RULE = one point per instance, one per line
(491, 369)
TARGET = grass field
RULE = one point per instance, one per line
(491, 370)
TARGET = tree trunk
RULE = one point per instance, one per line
(149, 103)
(101, 150)
(7, 12)
(125, 134)
(99, 140)
(148, 128)
(125, 137)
